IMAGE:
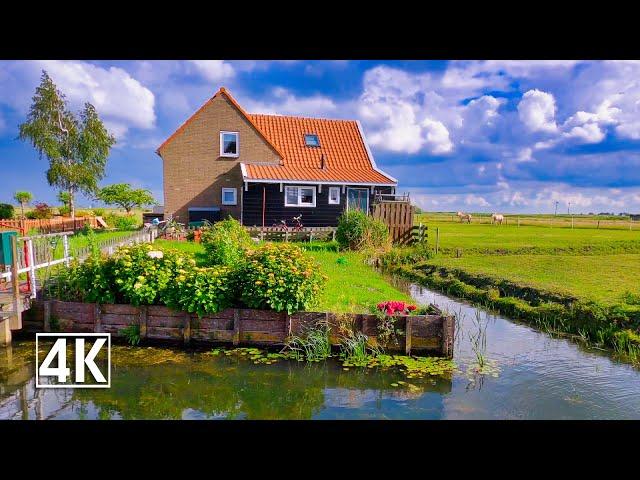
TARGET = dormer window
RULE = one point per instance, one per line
(229, 144)
(311, 140)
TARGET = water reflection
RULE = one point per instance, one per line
(540, 377)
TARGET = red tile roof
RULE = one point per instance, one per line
(341, 145)
(346, 157)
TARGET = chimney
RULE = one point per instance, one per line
(322, 162)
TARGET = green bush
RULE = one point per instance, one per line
(64, 211)
(280, 277)
(143, 280)
(125, 222)
(226, 242)
(90, 281)
(40, 211)
(99, 212)
(202, 290)
(359, 231)
(6, 211)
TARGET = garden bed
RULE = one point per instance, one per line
(431, 334)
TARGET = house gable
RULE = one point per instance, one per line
(194, 171)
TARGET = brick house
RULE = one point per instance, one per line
(261, 169)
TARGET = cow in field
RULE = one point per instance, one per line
(464, 217)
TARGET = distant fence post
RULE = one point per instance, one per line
(437, 239)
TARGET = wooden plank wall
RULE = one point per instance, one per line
(427, 333)
(398, 216)
(49, 225)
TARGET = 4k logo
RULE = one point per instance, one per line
(54, 366)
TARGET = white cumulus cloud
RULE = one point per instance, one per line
(213, 70)
(537, 110)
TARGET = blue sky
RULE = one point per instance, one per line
(507, 136)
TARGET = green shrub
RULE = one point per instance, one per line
(64, 211)
(40, 211)
(90, 281)
(226, 242)
(99, 212)
(359, 231)
(202, 290)
(143, 280)
(84, 213)
(280, 277)
(6, 211)
(125, 222)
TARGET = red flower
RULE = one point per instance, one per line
(411, 308)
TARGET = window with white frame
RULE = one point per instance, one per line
(299, 196)
(229, 144)
(229, 196)
(334, 195)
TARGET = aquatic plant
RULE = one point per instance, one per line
(355, 350)
(313, 346)
(131, 333)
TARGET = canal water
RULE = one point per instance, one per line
(527, 374)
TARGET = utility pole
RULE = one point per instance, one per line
(568, 208)
(555, 214)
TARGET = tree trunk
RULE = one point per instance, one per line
(22, 208)
(72, 204)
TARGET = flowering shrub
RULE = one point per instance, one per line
(387, 311)
(396, 307)
(142, 279)
(83, 282)
(225, 242)
(202, 290)
(40, 210)
(280, 277)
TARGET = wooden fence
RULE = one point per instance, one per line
(291, 234)
(398, 216)
(49, 225)
(420, 333)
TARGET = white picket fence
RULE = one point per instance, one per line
(39, 251)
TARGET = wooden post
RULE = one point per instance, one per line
(16, 324)
(32, 268)
(5, 332)
(437, 239)
(518, 221)
(448, 333)
(287, 325)
(144, 315)
(46, 308)
(186, 331)
(407, 335)
(97, 319)
(236, 326)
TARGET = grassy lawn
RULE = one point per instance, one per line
(354, 286)
(487, 237)
(604, 278)
(351, 287)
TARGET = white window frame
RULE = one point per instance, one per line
(235, 195)
(334, 189)
(300, 204)
(229, 155)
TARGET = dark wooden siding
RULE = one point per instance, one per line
(322, 215)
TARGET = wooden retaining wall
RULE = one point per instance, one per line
(423, 333)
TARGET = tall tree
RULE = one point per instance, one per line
(23, 198)
(77, 149)
(123, 195)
